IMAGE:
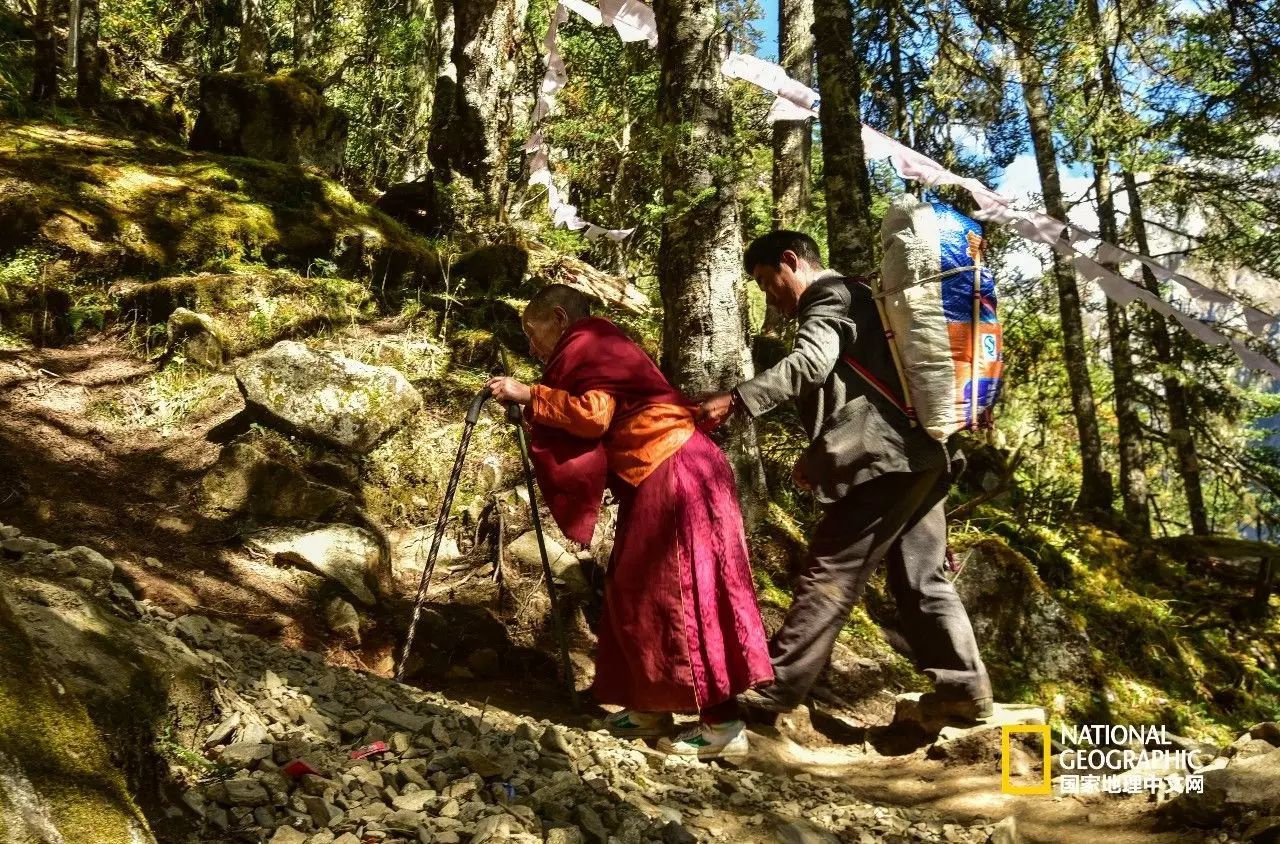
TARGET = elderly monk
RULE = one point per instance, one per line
(680, 631)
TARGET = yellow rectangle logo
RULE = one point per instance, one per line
(1006, 780)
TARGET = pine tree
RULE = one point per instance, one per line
(846, 182)
(700, 256)
(793, 140)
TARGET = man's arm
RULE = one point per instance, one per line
(824, 311)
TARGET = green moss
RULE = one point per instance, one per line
(49, 735)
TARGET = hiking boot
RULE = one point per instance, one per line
(709, 741)
(936, 707)
(760, 699)
(630, 723)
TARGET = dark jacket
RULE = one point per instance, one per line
(855, 433)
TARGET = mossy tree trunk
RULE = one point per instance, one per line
(44, 87)
(254, 43)
(850, 236)
(89, 63)
(471, 115)
(1095, 483)
(700, 255)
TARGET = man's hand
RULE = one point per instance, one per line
(798, 476)
(510, 391)
(714, 410)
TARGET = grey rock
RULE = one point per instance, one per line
(246, 480)
(327, 396)
(349, 556)
(803, 832)
(404, 720)
(244, 754)
(1243, 786)
(198, 338)
(1005, 832)
(674, 833)
(564, 566)
(1016, 619)
(86, 562)
(322, 812)
(240, 792)
(288, 835)
(565, 835)
(343, 619)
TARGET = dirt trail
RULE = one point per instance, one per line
(77, 476)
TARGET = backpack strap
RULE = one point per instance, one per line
(902, 404)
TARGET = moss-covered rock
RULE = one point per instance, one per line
(1025, 634)
(281, 118)
(57, 779)
(328, 397)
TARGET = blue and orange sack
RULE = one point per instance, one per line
(937, 301)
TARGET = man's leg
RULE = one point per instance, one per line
(849, 543)
(934, 621)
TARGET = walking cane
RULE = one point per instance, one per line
(473, 416)
(515, 415)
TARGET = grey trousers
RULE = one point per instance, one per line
(897, 519)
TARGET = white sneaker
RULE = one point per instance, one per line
(709, 741)
(630, 723)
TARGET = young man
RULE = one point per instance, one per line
(680, 631)
(882, 482)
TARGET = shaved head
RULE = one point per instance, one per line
(575, 304)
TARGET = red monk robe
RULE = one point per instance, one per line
(681, 631)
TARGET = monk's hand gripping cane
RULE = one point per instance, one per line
(515, 416)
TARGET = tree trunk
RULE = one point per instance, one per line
(793, 140)
(471, 116)
(897, 85)
(89, 65)
(1175, 394)
(704, 329)
(1095, 484)
(44, 88)
(850, 236)
(1133, 476)
(254, 45)
(305, 20)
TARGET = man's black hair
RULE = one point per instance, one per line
(767, 250)
(575, 303)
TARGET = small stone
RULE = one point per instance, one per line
(414, 801)
(243, 754)
(88, 563)
(353, 729)
(553, 741)
(240, 792)
(675, 833)
(1005, 832)
(591, 825)
(403, 720)
(450, 809)
(288, 835)
(322, 812)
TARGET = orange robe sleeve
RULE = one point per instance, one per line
(588, 415)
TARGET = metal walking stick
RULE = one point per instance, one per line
(516, 417)
(473, 416)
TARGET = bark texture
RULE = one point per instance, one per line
(793, 140)
(89, 62)
(1133, 476)
(1095, 482)
(254, 45)
(471, 115)
(700, 256)
(850, 235)
(44, 88)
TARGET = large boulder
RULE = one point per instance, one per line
(281, 118)
(326, 396)
(1244, 787)
(351, 557)
(1024, 634)
(246, 480)
(57, 780)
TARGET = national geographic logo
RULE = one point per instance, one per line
(1084, 765)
